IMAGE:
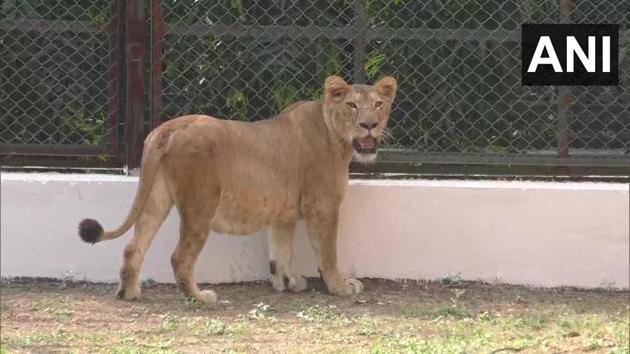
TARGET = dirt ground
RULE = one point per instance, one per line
(451, 316)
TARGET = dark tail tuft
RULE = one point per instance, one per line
(90, 231)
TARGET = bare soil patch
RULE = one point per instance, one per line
(453, 316)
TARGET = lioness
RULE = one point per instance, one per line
(236, 177)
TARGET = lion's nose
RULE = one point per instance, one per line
(368, 126)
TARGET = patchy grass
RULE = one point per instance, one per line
(451, 316)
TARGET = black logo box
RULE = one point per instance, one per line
(558, 33)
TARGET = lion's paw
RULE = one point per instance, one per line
(129, 294)
(357, 286)
(207, 297)
(348, 287)
(293, 283)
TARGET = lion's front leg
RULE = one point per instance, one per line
(322, 231)
(280, 255)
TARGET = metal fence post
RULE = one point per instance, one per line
(114, 30)
(155, 83)
(564, 95)
(135, 46)
(360, 28)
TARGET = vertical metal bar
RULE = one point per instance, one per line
(564, 137)
(135, 44)
(113, 29)
(360, 42)
(564, 95)
(157, 31)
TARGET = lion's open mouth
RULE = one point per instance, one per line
(365, 145)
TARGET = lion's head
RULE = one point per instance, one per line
(358, 114)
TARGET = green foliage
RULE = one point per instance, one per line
(170, 322)
(98, 15)
(380, 11)
(331, 62)
(237, 102)
(78, 127)
(374, 64)
(316, 93)
(284, 96)
(215, 327)
(57, 339)
(236, 5)
(323, 313)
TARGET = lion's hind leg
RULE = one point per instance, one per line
(155, 210)
(280, 254)
(193, 236)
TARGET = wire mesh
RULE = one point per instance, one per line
(457, 63)
(55, 79)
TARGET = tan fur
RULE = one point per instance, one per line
(236, 177)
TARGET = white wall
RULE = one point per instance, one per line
(535, 233)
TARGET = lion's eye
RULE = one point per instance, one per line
(378, 104)
(351, 105)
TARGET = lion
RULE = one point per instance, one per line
(238, 177)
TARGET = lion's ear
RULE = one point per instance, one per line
(386, 87)
(336, 88)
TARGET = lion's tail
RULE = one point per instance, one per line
(91, 230)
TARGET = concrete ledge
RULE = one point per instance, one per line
(532, 233)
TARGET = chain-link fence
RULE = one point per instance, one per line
(460, 100)
(56, 67)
